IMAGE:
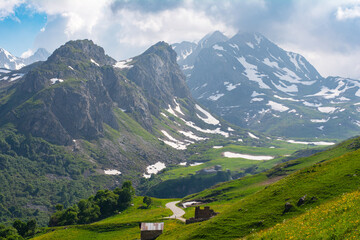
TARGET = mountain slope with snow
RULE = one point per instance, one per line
(253, 83)
(9, 61)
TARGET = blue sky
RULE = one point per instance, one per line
(19, 30)
(326, 32)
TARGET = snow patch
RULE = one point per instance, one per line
(331, 93)
(93, 61)
(319, 120)
(230, 86)
(271, 64)
(174, 143)
(292, 57)
(216, 97)
(285, 88)
(277, 106)
(112, 172)
(56, 80)
(209, 118)
(195, 164)
(217, 47)
(252, 74)
(15, 77)
(217, 147)
(185, 54)
(256, 100)
(250, 45)
(191, 135)
(177, 107)
(234, 46)
(356, 122)
(257, 38)
(186, 67)
(289, 99)
(309, 104)
(255, 94)
(247, 156)
(154, 169)
(124, 64)
(314, 143)
(170, 110)
(215, 131)
(252, 135)
(71, 68)
(327, 109)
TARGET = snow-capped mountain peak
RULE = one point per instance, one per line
(9, 61)
(292, 99)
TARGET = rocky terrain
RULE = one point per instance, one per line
(253, 83)
(83, 119)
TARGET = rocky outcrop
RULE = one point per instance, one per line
(73, 94)
(156, 71)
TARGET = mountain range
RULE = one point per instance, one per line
(253, 83)
(81, 121)
(9, 61)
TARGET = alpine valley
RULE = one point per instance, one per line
(78, 129)
(81, 121)
(251, 82)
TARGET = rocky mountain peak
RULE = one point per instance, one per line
(157, 71)
(163, 50)
(9, 61)
(82, 50)
(211, 39)
(40, 55)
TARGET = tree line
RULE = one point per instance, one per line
(104, 204)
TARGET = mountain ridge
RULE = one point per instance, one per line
(251, 82)
(111, 120)
(11, 62)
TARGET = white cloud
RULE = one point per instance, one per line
(313, 30)
(330, 63)
(126, 28)
(7, 7)
(125, 32)
(344, 13)
(27, 53)
(174, 25)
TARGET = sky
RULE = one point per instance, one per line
(326, 32)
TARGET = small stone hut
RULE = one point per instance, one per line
(201, 215)
(150, 231)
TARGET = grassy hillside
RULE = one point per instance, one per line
(337, 173)
(337, 219)
(35, 175)
(124, 225)
(178, 181)
(252, 203)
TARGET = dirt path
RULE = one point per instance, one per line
(271, 180)
(177, 212)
